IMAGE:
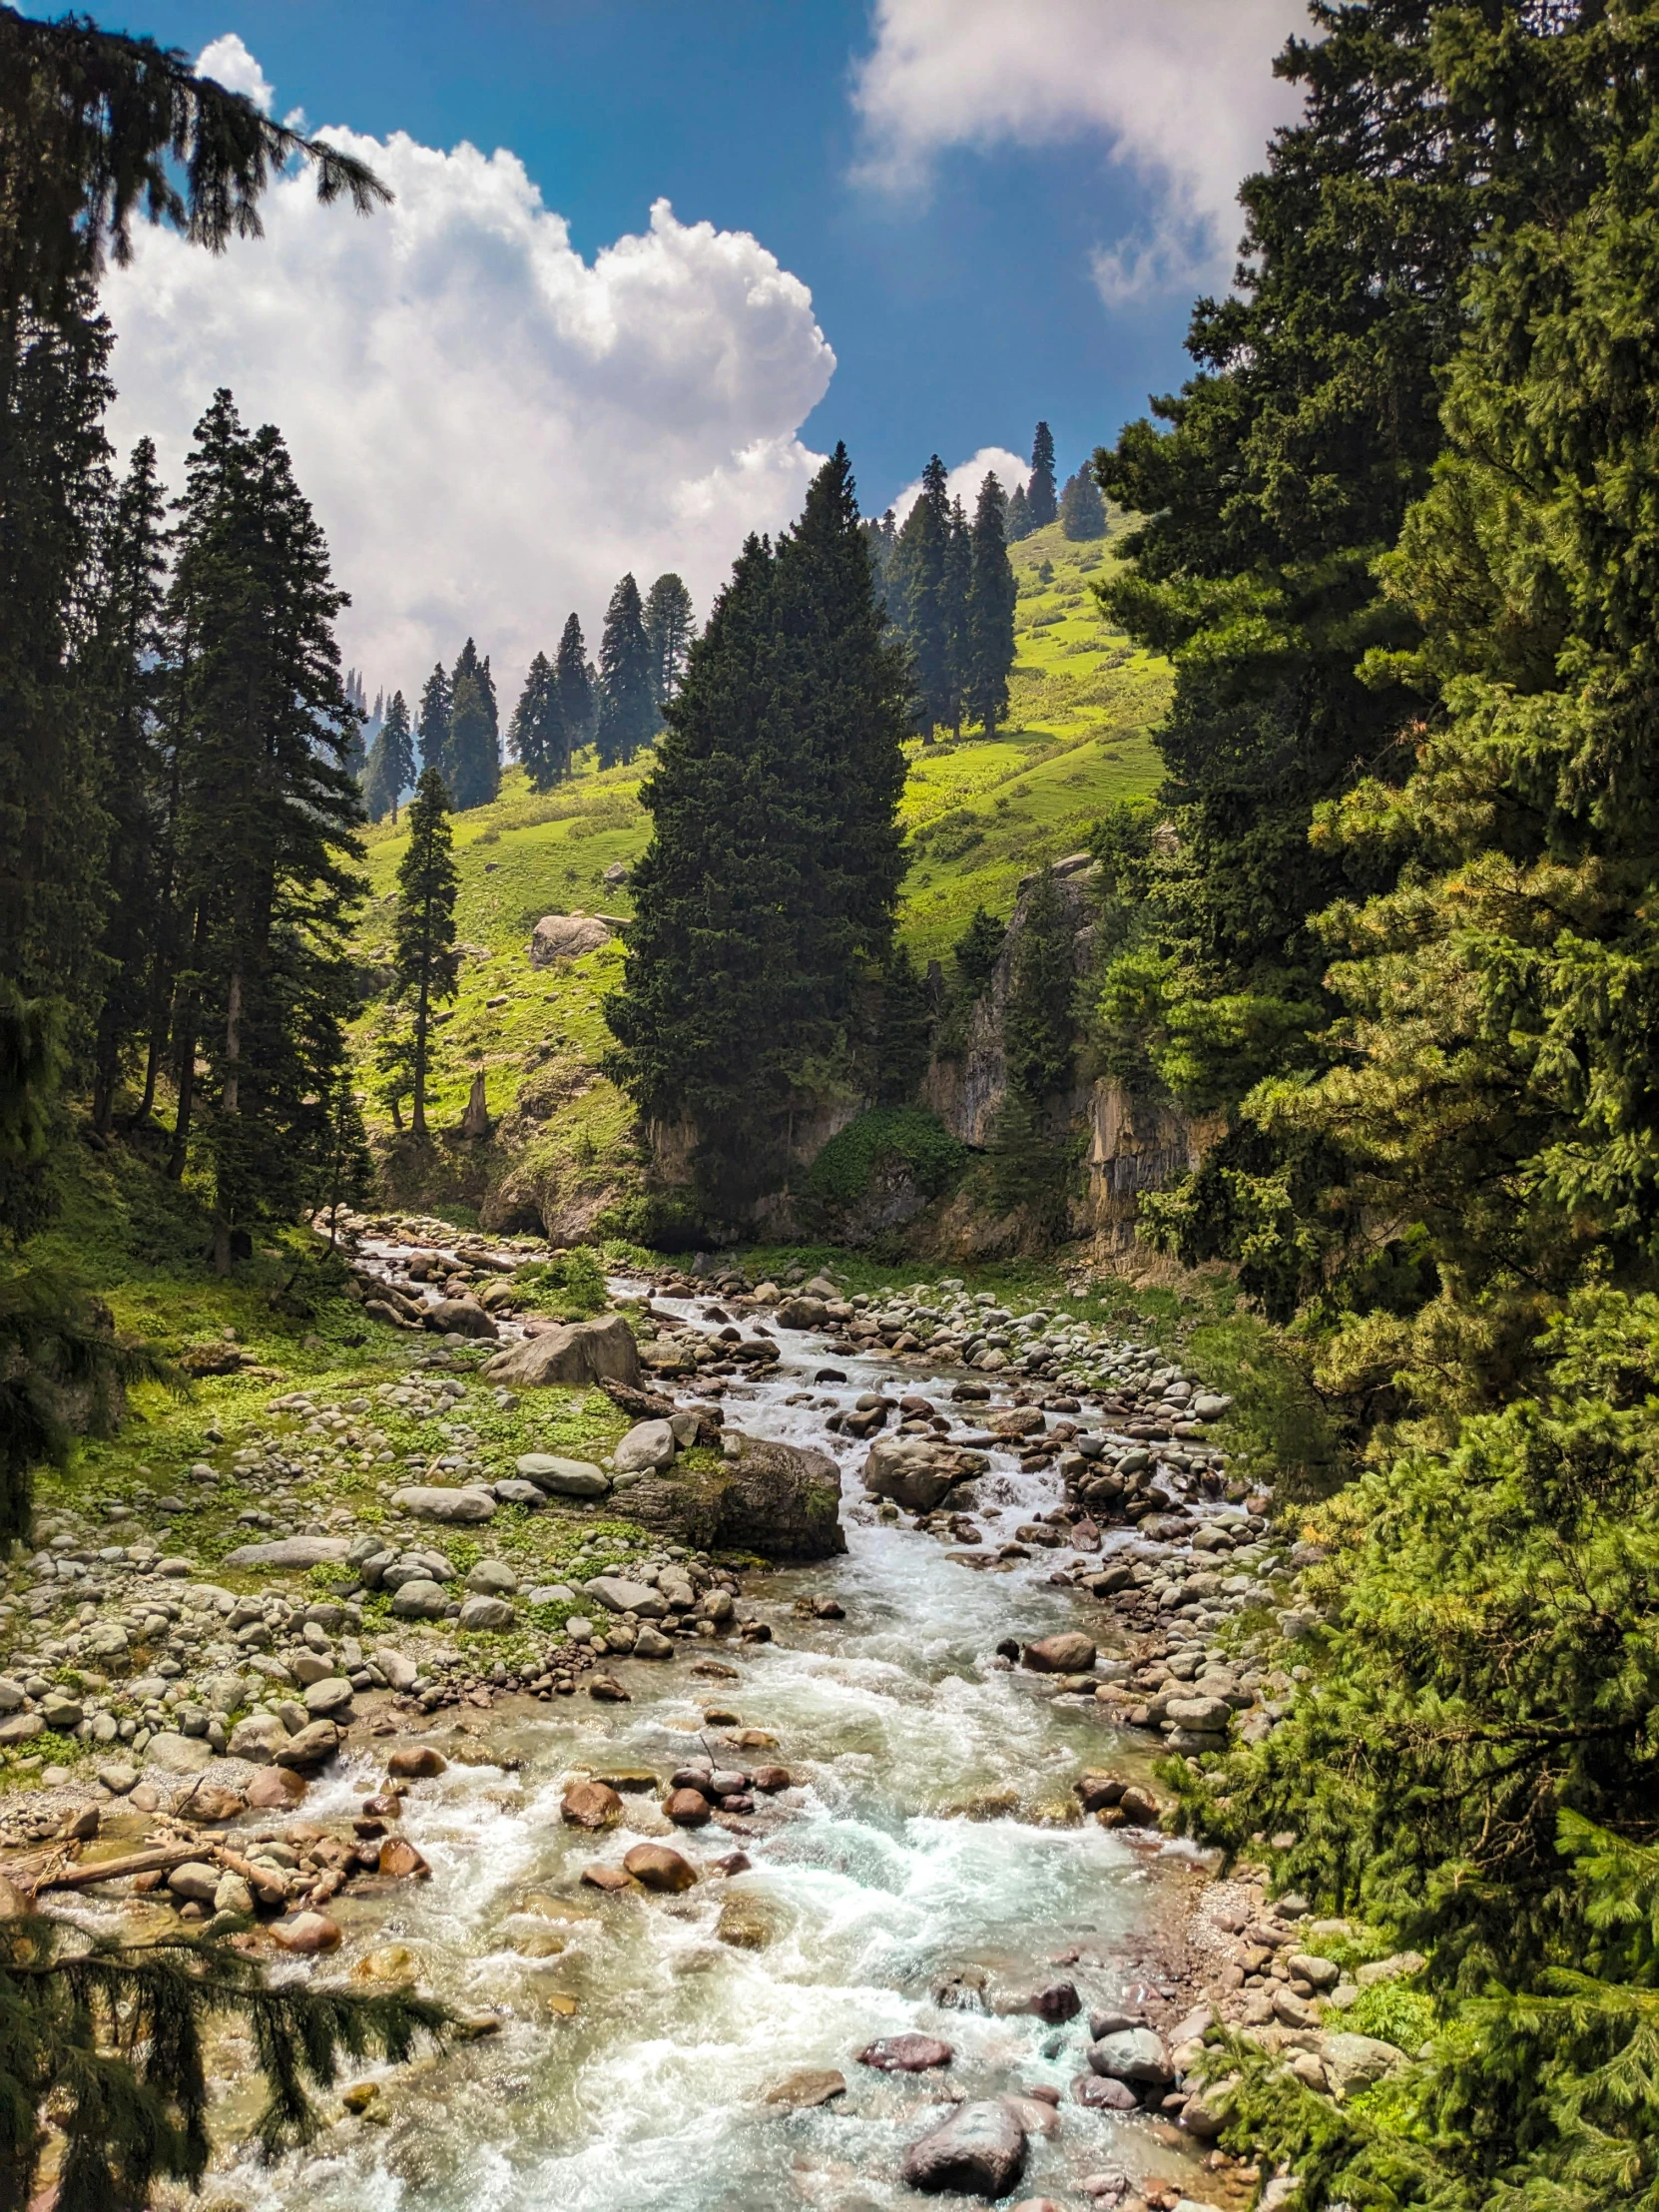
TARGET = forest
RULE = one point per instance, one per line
(1371, 945)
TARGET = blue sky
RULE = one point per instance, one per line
(1002, 208)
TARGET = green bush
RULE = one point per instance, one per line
(845, 1169)
(657, 1220)
(570, 1285)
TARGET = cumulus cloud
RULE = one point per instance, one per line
(964, 480)
(229, 62)
(491, 429)
(1181, 93)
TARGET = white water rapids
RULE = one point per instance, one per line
(651, 2093)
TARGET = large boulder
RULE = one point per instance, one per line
(563, 1477)
(781, 1500)
(578, 1352)
(291, 1552)
(429, 1502)
(918, 1473)
(1133, 2055)
(802, 1311)
(1071, 1652)
(647, 1448)
(980, 2149)
(566, 937)
(461, 1317)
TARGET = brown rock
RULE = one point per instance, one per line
(384, 1804)
(210, 1803)
(1139, 1806)
(686, 1808)
(606, 1877)
(400, 1857)
(810, 2086)
(275, 1789)
(656, 1866)
(415, 1762)
(1069, 1653)
(591, 1804)
(607, 1690)
(1096, 1791)
(905, 2053)
(770, 1779)
(306, 1933)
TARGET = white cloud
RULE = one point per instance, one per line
(229, 62)
(964, 480)
(1181, 92)
(491, 429)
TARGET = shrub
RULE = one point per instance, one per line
(845, 1169)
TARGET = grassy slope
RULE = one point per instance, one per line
(981, 814)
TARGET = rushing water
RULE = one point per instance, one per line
(874, 1889)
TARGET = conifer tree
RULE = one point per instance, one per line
(1082, 510)
(424, 957)
(958, 593)
(669, 630)
(390, 770)
(992, 594)
(575, 685)
(537, 738)
(434, 720)
(268, 820)
(906, 1038)
(1019, 515)
(1038, 1049)
(1040, 503)
(880, 536)
(977, 950)
(920, 592)
(627, 695)
(473, 751)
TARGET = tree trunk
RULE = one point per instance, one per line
(184, 1030)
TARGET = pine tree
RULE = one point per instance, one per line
(425, 958)
(473, 754)
(1040, 503)
(1028, 1167)
(575, 685)
(919, 593)
(957, 595)
(266, 826)
(537, 738)
(434, 722)
(992, 595)
(977, 950)
(906, 1038)
(1082, 510)
(1019, 516)
(123, 678)
(390, 770)
(880, 536)
(627, 698)
(669, 630)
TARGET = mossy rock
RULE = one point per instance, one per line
(781, 1501)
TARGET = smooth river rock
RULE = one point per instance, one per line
(1133, 2054)
(563, 1477)
(427, 1501)
(1068, 1654)
(656, 1866)
(646, 1449)
(291, 1552)
(915, 1471)
(980, 2148)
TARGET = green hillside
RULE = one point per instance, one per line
(980, 815)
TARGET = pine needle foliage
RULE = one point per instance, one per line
(107, 2039)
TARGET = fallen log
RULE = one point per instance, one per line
(153, 1860)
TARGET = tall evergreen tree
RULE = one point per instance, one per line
(880, 536)
(474, 754)
(1019, 515)
(627, 695)
(125, 682)
(773, 867)
(391, 770)
(992, 594)
(268, 838)
(424, 957)
(1040, 503)
(434, 722)
(538, 739)
(669, 630)
(1082, 510)
(919, 594)
(575, 685)
(959, 594)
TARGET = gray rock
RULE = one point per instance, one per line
(311, 1747)
(65, 1714)
(177, 1754)
(916, 1471)
(492, 1578)
(13, 1695)
(1404, 1962)
(231, 1895)
(194, 1882)
(461, 1317)
(428, 1502)
(1203, 1715)
(980, 2148)
(579, 1352)
(118, 1780)
(486, 1612)
(563, 1477)
(566, 937)
(400, 1673)
(552, 1593)
(1208, 1406)
(307, 1667)
(328, 1697)
(421, 1600)
(19, 1727)
(291, 1552)
(258, 1737)
(511, 1491)
(1133, 2054)
(1355, 2062)
(618, 1595)
(647, 1447)
(651, 1643)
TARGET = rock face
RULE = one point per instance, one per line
(566, 937)
(781, 1500)
(917, 1473)
(980, 2148)
(291, 1552)
(594, 1350)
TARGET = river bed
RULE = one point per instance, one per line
(638, 2047)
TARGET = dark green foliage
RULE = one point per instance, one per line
(538, 738)
(576, 704)
(661, 1221)
(434, 722)
(472, 755)
(1082, 510)
(845, 1169)
(922, 585)
(109, 2037)
(774, 867)
(989, 626)
(390, 770)
(1040, 503)
(424, 959)
(1037, 1030)
(1019, 524)
(907, 1030)
(628, 703)
(977, 950)
(880, 536)
(669, 630)
(572, 1286)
